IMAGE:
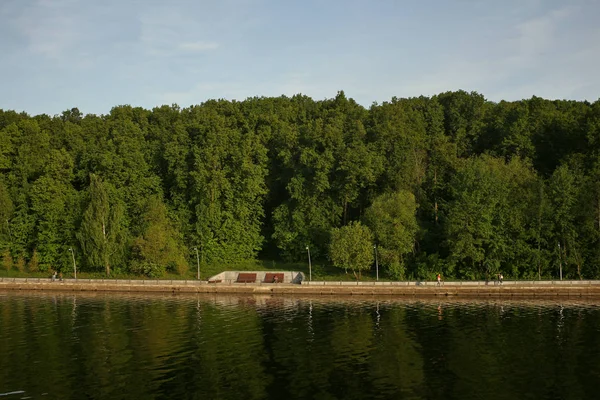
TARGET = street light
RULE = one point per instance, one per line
(376, 262)
(198, 261)
(560, 261)
(74, 265)
(309, 265)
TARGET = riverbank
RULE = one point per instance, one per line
(546, 289)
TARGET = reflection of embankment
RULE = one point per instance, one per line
(293, 300)
(529, 289)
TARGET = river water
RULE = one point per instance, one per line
(117, 346)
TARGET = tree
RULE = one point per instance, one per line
(124, 163)
(542, 229)
(102, 233)
(158, 248)
(305, 162)
(356, 166)
(442, 162)
(227, 186)
(6, 148)
(565, 187)
(351, 247)
(52, 205)
(392, 218)
(490, 218)
(464, 119)
(507, 131)
(172, 158)
(6, 210)
(398, 131)
(7, 260)
(496, 185)
(33, 265)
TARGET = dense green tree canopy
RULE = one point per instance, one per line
(351, 247)
(451, 183)
(392, 218)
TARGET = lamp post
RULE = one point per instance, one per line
(560, 261)
(309, 264)
(376, 263)
(198, 261)
(74, 265)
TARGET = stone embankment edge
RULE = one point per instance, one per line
(325, 289)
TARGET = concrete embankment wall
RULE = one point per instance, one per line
(459, 289)
(231, 276)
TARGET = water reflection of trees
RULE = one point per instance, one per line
(285, 347)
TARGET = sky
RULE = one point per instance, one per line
(94, 55)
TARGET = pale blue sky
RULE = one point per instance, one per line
(59, 54)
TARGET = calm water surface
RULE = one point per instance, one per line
(82, 346)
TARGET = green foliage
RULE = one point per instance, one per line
(102, 234)
(146, 268)
(392, 218)
(51, 196)
(6, 210)
(34, 264)
(20, 264)
(489, 217)
(565, 187)
(226, 183)
(351, 248)
(451, 183)
(158, 247)
(7, 260)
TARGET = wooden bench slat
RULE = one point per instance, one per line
(246, 278)
(270, 277)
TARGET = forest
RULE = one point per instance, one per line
(452, 184)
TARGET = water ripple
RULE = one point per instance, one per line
(213, 346)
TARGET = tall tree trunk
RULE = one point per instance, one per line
(598, 207)
(106, 259)
(435, 207)
(539, 233)
(106, 255)
(345, 209)
(565, 255)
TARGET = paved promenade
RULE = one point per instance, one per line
(571, 289)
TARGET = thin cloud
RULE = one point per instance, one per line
(49, 28)
(531, 57)
(166, 32)
(198, 46)
(538, 35)
(57, 52)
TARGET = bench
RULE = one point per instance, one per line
(215, 281)
(273, 278)
(246, 278)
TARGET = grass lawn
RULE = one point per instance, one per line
(320, 272)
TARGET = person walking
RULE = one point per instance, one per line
(439, 279)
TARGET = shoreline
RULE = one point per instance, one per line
(509, 289)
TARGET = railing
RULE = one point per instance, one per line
(165, 282)
(155, 282)
(454, 283)
(106, 281)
